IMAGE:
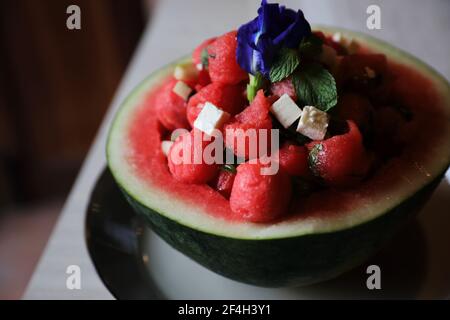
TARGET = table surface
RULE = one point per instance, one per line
(176, 27)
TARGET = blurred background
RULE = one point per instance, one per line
(55, 86)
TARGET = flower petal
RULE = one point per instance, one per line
(274, 28)
(246, 45)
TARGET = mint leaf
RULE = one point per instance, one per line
(315, 86)
(204, 56)
(256, 83)
(231, 168)
(313, 159)
(311, 46)
(285, 63)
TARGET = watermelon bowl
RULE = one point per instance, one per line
(332, 232)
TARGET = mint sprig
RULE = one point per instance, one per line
(315, 86)
(231, 168)
(313, 158)
(256, 82)
(285, 64)
(204, 58)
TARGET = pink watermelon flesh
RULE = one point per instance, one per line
(229, 98)
(413, 89)
(191, 172)
(224, 183)
(171, 108)
(197, 54)
(259, 198)
(284, 87)
(254, 117)
(223, 66)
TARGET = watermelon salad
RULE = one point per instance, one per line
(327, 96)
(278, 155)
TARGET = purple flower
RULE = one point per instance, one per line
(260, 39)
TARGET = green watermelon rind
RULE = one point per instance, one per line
(280, 259)
(295, 261)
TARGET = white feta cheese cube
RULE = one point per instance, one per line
(350, 44)
(210, 118)
(182, 89)
(337, 37)
(286, 110)
(185, 72)
(313, 123)
(165, 146)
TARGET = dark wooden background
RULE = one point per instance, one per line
(55, 85)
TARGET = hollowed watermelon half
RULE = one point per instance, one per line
(332, 231)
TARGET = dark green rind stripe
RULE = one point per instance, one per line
(292, 261)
